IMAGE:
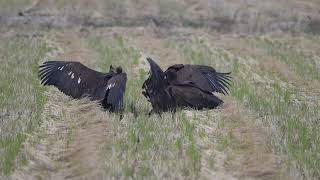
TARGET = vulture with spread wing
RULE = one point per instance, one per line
(172, 89)
(205, 77)
(76, 80)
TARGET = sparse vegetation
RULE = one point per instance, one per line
(128, 59)
(292, 116)
(170, 9)
(300, 62)
(13, 6)
(268, 126)
(115, 9)
(138, 138)
(21, 97)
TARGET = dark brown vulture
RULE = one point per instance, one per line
(205, 77)
(76, 80)
(167, 92)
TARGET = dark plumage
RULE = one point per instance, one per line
(167, 92)
(204, 77)
(76, 80)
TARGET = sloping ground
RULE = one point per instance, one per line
(266, 129)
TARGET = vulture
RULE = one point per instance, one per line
(202, 76)
(76, 80)
(182, 86)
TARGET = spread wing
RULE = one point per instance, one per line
(219, 82)
(155, 81)
(205, 77)
(72, 78)
(115, 91)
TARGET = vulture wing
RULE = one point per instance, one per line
(156, 80)
(175, 67)
(72, 78)
(219, 82)
(191, 96)
(115, 91)
(205, 77)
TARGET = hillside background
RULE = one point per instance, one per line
(268, 127)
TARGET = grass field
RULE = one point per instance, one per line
(267, 128)
(283, 107)
(21, 95)
(170, 138)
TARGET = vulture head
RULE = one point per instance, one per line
(116, 70)
(119, 70)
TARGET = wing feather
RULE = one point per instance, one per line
(220, 82)
(212, 82)
(205, 77)
(155, 81)
(116, 88)
(187, 95)
(66, 75)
